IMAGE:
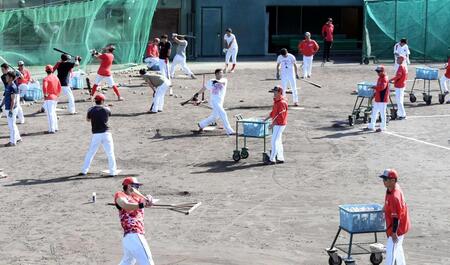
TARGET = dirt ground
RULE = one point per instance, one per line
(251, 213)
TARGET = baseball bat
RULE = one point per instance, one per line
(61, 51)
(185, 208)
(5, 61)
(311, 83)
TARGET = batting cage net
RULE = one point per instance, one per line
(423, 22)
(30, 34)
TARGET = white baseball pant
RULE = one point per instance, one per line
(50, 110)
(105, 139)
(231, 54)
(135, 249)
(164, 68)
(288, 80)
(70, 99)
(394, 252)
(277, 143)
(400, 98)
(307, 65)
(20, 116)
(99, 78)
(151, 61)
(217, 112)
(158, 99)
(444, 81)
(179, 60)
(14, 134)
(378, 107)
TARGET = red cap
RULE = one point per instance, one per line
(130, 180)
(389, 174)
(380, 68)
(48, 67)
(99, 97)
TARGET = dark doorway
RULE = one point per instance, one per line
(211, 31)
(165, 21)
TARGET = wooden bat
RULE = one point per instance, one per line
(61, 51)
(311, 83)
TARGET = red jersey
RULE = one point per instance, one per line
(308, 48)
(395, 207)
(382, 89)
(400, 77)
(131, 221)
(105, 64)
(279, 112)
(152, 50)
(26, 77)
(51, 87)
(447, 73)
(327, 32)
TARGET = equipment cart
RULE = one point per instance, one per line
(252, 128)
(363, 110)
(427, 74)
(358, 219)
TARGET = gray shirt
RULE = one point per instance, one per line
(181, 48)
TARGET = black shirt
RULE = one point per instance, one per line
(4, 80)
(164, 49)
(64, 69)
(99, 116)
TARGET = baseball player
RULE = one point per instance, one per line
(327, 34)
(287, 63)
(218, 89)
(165, 49)
(180, 57)
(98, 116)
(131, 213)
(279, 116)
(445, 78)
(22, 83)
(231, 49)
(152, 55)
(10, 102)
(397, 218)
(308, 48)
(64, 67)
(380, 101)
(159, 85)
(401, 48)
(399, 81)
(104, 71)
(5, 69)
(51, 87)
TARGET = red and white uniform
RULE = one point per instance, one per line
(400, 84)
(22, 85)
(134, 244)
(51, 88)
(308, 48)
(104, 71)
(287, 74)
(446, 77)
(395, 207)
(152, 55)
(400, 50)
(279, 116)
(380, 101)
(327, 32)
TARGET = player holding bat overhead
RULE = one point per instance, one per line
(64, 68)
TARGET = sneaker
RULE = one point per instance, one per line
(280, 161)
(309, 76)
(368, 129)
(231, 71)
(296, 104)
(193, 76)
(152, 112)
(402, 118)
(81, 174)
(380, 130)
(269, 163)
(446, 93)
(120, 98)
(9, 145)
(200, 129)
(160, 111)
(19, 141)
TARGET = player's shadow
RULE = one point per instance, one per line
(25, 134)
(225, 166)
(89, 176)
(342, 129)
(133, 114)
(268, 107)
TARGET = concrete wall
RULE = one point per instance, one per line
(247, 18)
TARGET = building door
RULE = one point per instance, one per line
(211, 31)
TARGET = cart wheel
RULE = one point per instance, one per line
(351, 120)
(244, 153)
(393, 114)
(366, 60)
(357, 116)
(428, 101)
(366, 117)
(376, 258)
(332, 262)
(441, 98)
(412, 98)
(236, 155)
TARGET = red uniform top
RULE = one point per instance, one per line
(447, 73)
(131, 221)
(400, 77)
(308, 48)
(327, 32)
(382, 89)
(51, 87)
(105, 65)
(279, 112)
(152, 50)
(26, 77)
(395, 207)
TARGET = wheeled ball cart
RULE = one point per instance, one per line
(427, 75)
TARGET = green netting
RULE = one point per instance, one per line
(30, 34)
(423, 22)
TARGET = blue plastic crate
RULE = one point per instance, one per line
(365, 89)
(34, 92)
(256, 127)
(360, 218)
(427, 73)
(76, 82)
